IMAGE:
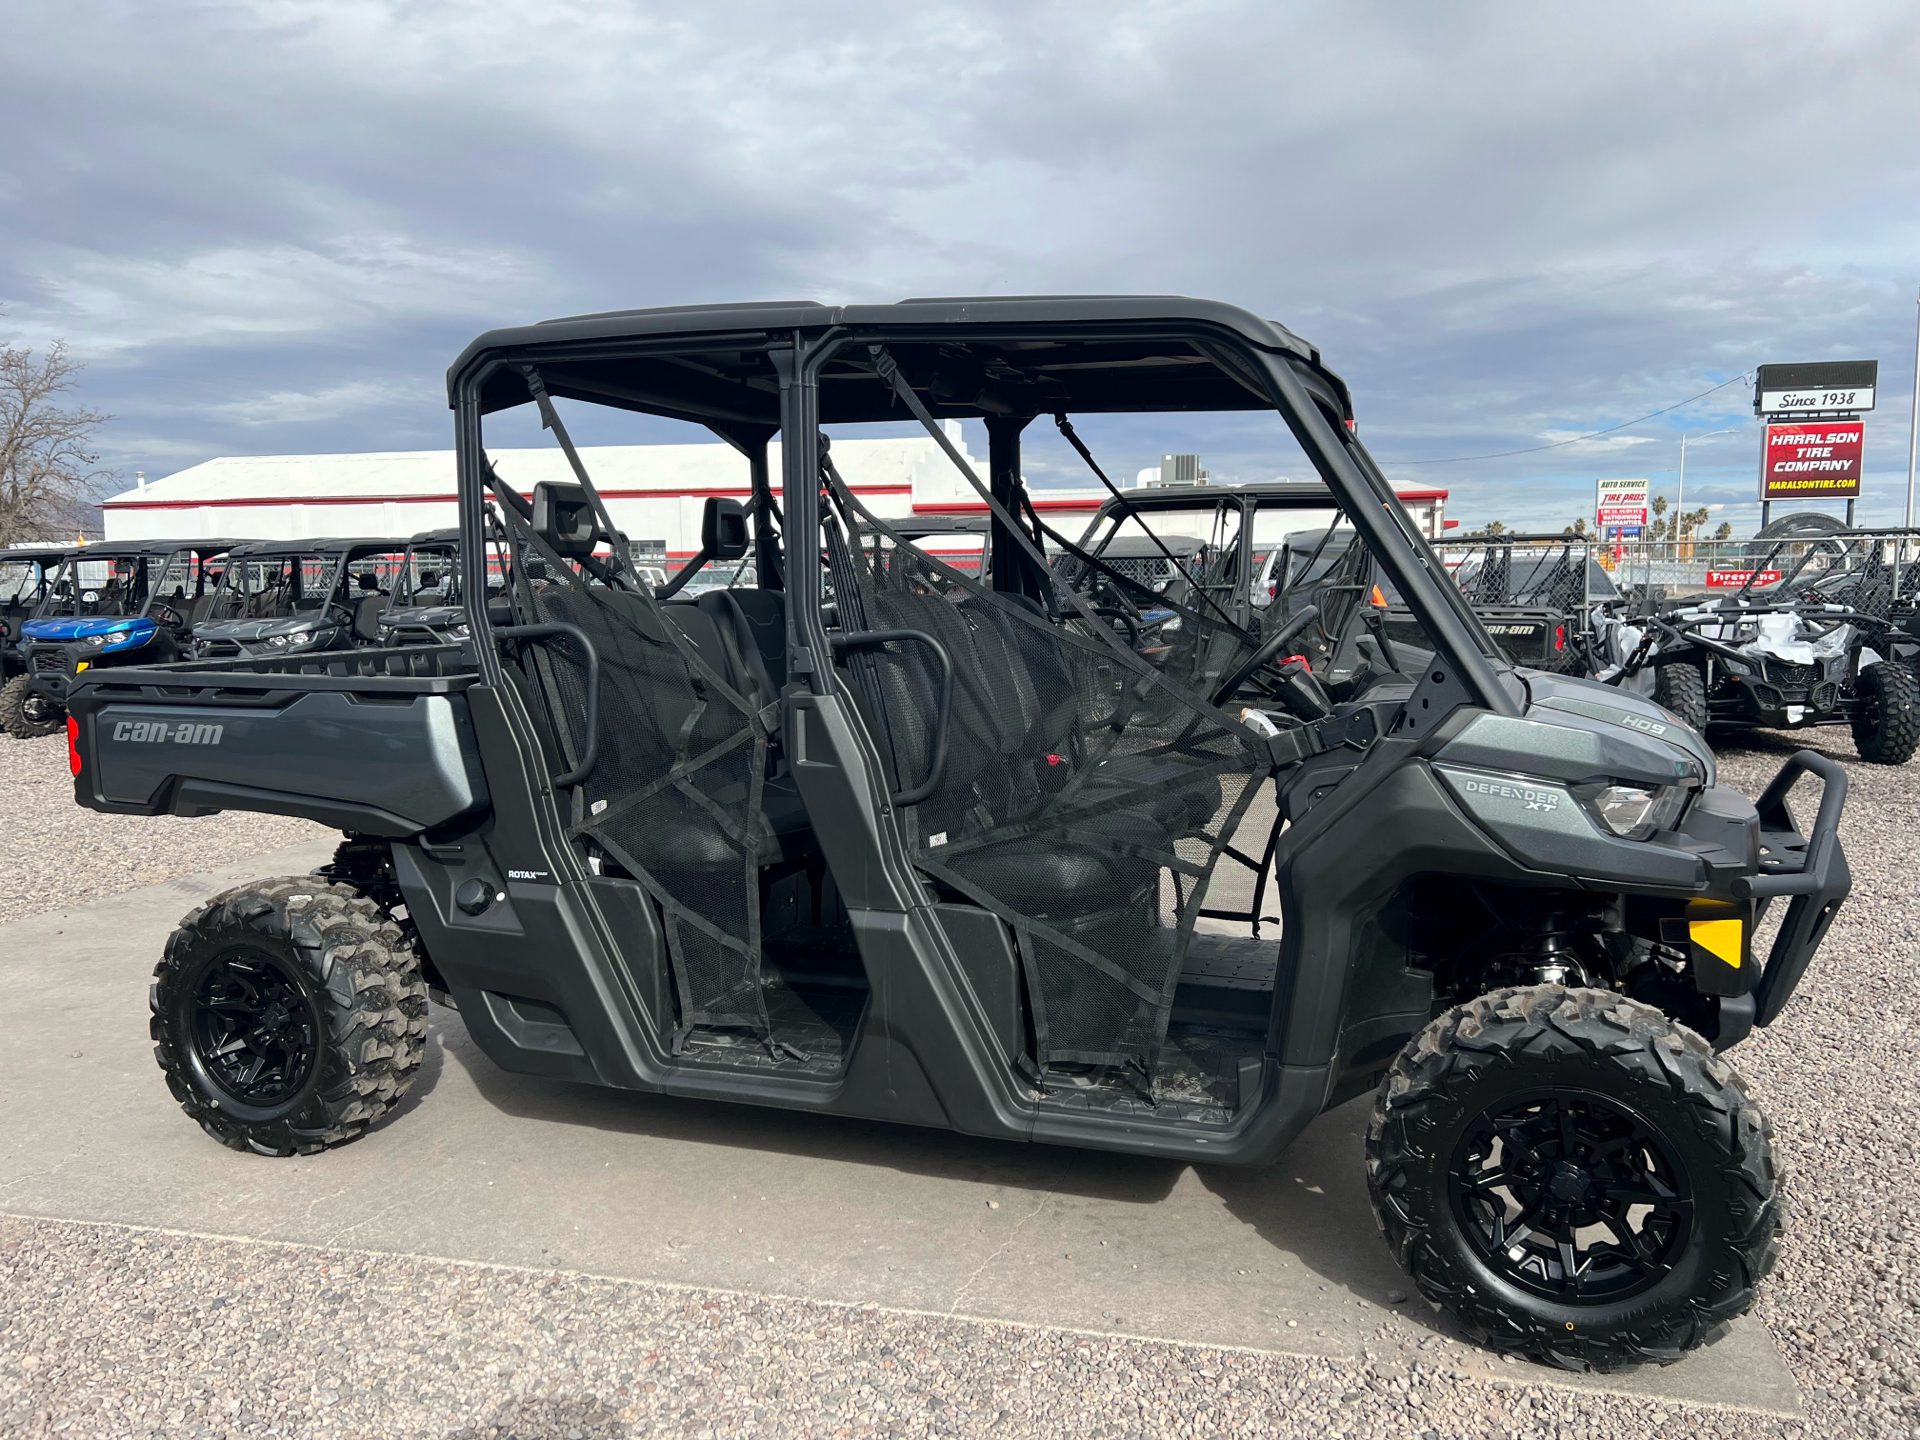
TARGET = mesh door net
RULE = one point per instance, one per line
(675, 794)
(1085, 800)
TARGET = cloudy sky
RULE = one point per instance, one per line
(268, 226)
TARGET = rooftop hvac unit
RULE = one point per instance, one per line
(1181, 470)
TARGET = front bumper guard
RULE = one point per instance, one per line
(1809, 872)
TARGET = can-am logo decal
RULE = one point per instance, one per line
(1547, 800)
(1513, 629)
(184, 733)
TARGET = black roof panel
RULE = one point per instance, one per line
(967, 356)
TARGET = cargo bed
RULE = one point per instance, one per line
(376, 741)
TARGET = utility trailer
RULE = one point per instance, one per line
(882, 838)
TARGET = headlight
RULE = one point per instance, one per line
(1634, 812)
(294, 639)
(97, 639)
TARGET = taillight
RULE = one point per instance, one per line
(73, 744)
(1559, 637)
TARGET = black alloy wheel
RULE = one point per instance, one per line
(289, 1015)
(1571, 1196)
(255, 1028)
(1577, 1177)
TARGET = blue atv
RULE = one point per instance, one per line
(120, 603)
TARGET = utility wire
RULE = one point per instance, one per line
(1536, 449)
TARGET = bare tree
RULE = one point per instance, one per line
(48, 474)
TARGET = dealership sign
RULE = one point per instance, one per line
(1812, 462)
(1620, 502)
(1734, 579)
(1827, 387)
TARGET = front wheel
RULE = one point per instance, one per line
(1575, 1177)
(1682, 688)
(288, 1015)
(25, 715)
(1886, 726)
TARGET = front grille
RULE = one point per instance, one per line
(1782, 672)
(49, 661)
(1826, 696)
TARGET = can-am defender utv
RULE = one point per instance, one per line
(880, 838)
(425, 607)
(281, 597)
(1808, 638)
(26, 582)
(116, 603)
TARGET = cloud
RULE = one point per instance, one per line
(266, 220)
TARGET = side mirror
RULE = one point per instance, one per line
(723, 528)
(563, 517)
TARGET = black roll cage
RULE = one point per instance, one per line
(1358, 487)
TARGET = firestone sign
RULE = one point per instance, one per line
(1812, 462)
(1619, 503)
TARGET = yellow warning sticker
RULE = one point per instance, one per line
(1720, 938)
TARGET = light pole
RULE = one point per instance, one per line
(1913, 423)
(1680, 489)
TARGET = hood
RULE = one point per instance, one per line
(1577, 730)
(424, 617)
(120, 629)
(245, 630)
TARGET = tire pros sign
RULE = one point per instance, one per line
(1620, 503)
(1811, 458)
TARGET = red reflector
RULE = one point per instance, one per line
(1052, 759)
(73, 744)
(1559, 637)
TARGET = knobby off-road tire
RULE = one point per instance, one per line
(1682, 688)
(18, 707)
(1557, 1053)
(1886, 728)
(288, 1015)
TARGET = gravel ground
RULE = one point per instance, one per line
(113, 1331)
(54, 853)
(125, 1332)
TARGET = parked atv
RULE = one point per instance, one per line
(111, 604)
(1808, 639)
(282, 597)
(879, 837)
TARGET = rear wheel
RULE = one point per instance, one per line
(1575, 1177)
(25, 715)
(1682, 688)
(1886, 726)
(288, 1015)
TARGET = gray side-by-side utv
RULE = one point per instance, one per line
(284, 597)
(888, 838)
